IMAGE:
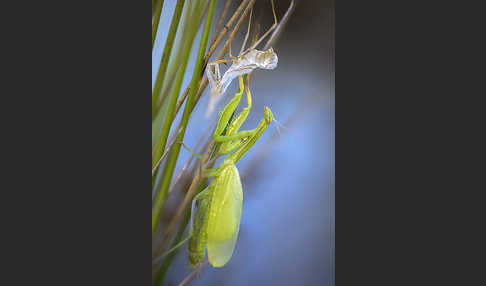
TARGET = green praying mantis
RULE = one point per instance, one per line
(215, 225)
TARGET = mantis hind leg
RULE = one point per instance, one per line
(204, 194)
(199, 156)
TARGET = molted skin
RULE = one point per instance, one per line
(243, 64)
(248, 62)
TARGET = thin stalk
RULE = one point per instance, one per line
(278, 30)
(165, 55)
(228, 25)
(156, 20)
(174, 153)
(220, 21)
(193, 274)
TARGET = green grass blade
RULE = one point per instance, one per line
(174, 153)
(155, 21)
(169, 115)
(165, 55)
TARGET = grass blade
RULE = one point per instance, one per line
(174, 153)
(156, 19)
(191, 29)
(165, 55)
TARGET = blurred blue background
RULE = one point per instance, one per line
(287, 227)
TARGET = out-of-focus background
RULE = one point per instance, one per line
(287, 227)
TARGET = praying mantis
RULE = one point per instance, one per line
(216, 222)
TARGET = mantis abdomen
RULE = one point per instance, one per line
(197, 242)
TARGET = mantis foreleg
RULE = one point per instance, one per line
(227, 113)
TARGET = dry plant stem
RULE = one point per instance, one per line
(220, 21)
(193, 274)
(280, 25)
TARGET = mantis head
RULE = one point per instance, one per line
(214, 79)
(216, 89)
(268, 115)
